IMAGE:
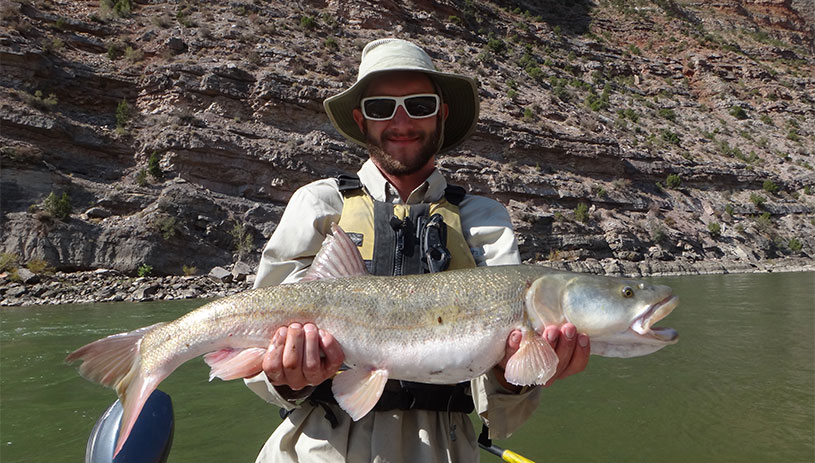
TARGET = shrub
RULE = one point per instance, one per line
(670, 137)
(141, 178)
(39, 266)
(673, 181)
(795, 245)
(114, 51)
(122, 114)
(59, 208)
(188, 270)
(496, 45)
(770, 187)
(133, 55)
(667, 113)
(37, 100)
(715, 229)
(153, 167)
(242, 239)
(757, 199)
(597, 102)
(167, 226)
(307, 22)
(528, 114)
(144, 270)
(331, 44)
(581, 213)
(121, 8)
(658, 234)
(8, 261)
(738, 112)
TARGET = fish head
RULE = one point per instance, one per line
(618, 314)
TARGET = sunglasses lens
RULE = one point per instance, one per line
(421, 106)
(379, 108)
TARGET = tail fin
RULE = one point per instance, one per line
(115, 362)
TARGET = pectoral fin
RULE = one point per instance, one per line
(229, 364)
(358, 390)
(535, 362)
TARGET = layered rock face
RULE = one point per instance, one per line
(624, 137)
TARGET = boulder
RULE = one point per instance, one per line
(220, 275)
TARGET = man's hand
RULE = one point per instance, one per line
(572, 351)
(302, 355)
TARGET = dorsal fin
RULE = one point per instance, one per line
(337, 258)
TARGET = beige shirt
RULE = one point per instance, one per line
(392, 436)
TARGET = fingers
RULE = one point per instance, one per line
(572, 350)
(513, 344)
(273, 360)
(334, 356)
(301, 355)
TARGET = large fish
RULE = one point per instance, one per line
(443, 328)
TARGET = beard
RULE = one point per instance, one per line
(394, 166)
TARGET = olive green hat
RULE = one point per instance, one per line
(386, 55)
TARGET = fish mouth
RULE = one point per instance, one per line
(643, 325)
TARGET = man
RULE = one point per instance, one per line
(405, 112)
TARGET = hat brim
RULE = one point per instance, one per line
(459, 92)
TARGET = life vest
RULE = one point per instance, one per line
(401, 239)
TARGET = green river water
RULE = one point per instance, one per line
(739, 386)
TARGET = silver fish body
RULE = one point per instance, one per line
(446, 327)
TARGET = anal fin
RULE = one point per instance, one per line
(229, 364)
(358, 390)
(535, 362)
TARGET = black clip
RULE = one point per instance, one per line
(432, 235)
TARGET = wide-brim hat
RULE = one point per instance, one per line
(387, 55)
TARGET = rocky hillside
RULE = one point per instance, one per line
(639, 137)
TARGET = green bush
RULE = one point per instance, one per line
(9, 261)
(795, 245)
(757, 199)
(770, 187)
(667, 113)
(671, 137)
(121, 8)
(738, 112)
(39, 266)
(144, 270)
(658, 234)
(153, 167)
(189, 270)
(581, 213)
(242, 239)
(141, 178)
(715, 229)
(167, 226)
(59, 208)
(122, 114)
(598, 102)
(673, 181)
(307, 22)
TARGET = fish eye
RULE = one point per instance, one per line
(628, 292)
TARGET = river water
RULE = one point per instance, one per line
(739, 386)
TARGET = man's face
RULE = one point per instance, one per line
(401, 145)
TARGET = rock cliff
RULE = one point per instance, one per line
(633, 137)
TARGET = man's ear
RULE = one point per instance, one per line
(445, 111)
(359, 119)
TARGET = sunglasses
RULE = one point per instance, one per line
(383, 108)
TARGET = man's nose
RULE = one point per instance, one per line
(401, 116)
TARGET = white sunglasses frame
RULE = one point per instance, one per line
(400, 101)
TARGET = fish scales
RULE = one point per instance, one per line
(367, 315)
